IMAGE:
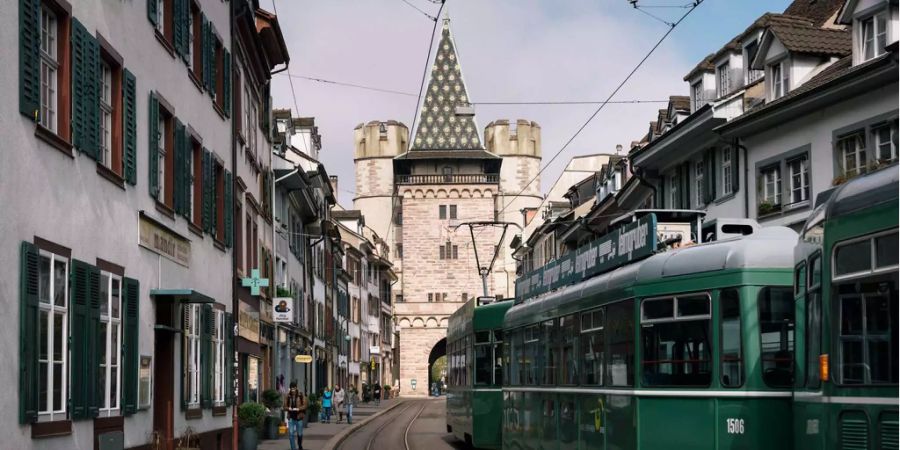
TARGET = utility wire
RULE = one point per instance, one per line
(600, 108)
(358, 86)
(293, 93)
(419, 10)
(654, 16)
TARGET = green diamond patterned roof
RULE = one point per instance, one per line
(439, 128)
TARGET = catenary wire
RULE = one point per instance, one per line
(419, 10)
(293, 92)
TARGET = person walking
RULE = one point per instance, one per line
(377, 394)
(326, 404)
(295, 409)
(339, 402)
(351, 402)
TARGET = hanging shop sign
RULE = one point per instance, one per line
(248, 322)
(283, 309)
(160, 240)
(374, 350)
(303, 359)
(254, 282)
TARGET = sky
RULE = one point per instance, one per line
(509, 50)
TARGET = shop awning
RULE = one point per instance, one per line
(181, 295)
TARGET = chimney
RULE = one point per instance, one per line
(618, 149)
(334, 183)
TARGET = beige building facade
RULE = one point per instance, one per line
(421, 196)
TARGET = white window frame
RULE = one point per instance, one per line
(49, 412)
(190, 31)
(727, 184)
(112, 349)
(858, 151)
(891, 144)
(160, 15)
(218, 344)
(771, 185)
(191, 354)
(699, 187)
(106, 112)
(49, 30)
(723, 79)
(781, 79)
(697, 94)
(798, 182)
(673, 191)
(877, 24)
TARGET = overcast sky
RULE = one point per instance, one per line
(509, 50)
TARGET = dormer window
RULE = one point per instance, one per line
(697, 95)
(873, 35)
(750, 53)
(781, 78)
(723, 80)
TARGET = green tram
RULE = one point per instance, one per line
(475, 373)
(690, 348)
(846, 305)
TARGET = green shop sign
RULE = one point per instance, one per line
(631, 242)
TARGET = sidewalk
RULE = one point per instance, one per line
(317, 434)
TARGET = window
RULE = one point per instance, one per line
(497, 357)
(771, 186)
(160, 15)
(49, 69)
(550, 331)
(110, 342)
(852, 150)
(162, 140)
(867, 256)
(620, 335)
(727, 185)
(675, 341)
(873, 35)
(106, 112)
(732, 349)
(813, 301)
(591, 347)
(430, 297)
(868, 331)
(483, 363)
(750, 51)
(191, 355)
(724, 80)
(53, 289)
(532, 356)
(799, 180)
(442, 252)
(399, 250)
(780, 78)
(886, 142)
(697, 95)
(776, 334)
(698, 182)
(442, 212)
(452, 211)
(218, 347)
(568, 334)
(673, 192)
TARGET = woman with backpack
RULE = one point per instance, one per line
(326, 404)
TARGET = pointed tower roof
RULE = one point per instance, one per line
(439, 127)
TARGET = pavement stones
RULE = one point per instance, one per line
(317, 434)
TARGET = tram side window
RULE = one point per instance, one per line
(592, 347)
(776, 334)
(620, 329)
(551, 350)
(675, 341)
(868, 332)
(732, 352)
(813, 319)
(483, 363)
(514, 361)
(533, 356)
(568, 333)
(499, 348)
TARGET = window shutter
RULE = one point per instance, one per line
(238, 113)
(179, 22)
(735, 173)
(154, 145)
(29, 280)
(226, 77)
(229, 210)
(85, 91)
(205, 192)
(79, 97)
(29, 59)
(187, 173)
(213, 198)
(129, 124)
(130, 347)
(179, 175)
(686, 185)
(266, 109)
(710, 175)
(92, 360)
(213, 61)
(207, 325)
(85, 310)
(204, 48)
(151, 11)
(229, 359)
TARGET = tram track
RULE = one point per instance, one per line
(398, 429)
(408, 426)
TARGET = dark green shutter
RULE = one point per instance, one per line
(214, 198)
(686, 185)
(178, 22)
(735, 173)
(204, 188)
(151, 12)
(226, 74)
(29, 58)
(84, 325)
(129, 124)
(154, 132)
(229, 210)
(207, 327)
(29, 281)
(266, 109)
(229, 359)
(130, 346)
(178, 175)
(85, 91)
(188, 174)
(213, 39)
(204, 48)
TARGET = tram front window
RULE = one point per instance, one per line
(675, 341)
(776, 333)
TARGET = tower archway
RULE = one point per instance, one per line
(437, 363)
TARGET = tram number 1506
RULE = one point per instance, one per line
(735, 426)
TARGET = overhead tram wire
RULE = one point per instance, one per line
(419, 10)
(291, 81)
(600, 108)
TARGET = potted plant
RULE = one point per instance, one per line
(312, 408)
(250, 417)
(766, 207)
(272, 400)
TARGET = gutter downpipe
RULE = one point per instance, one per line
(234, 293)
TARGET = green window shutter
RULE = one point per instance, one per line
(266, 109)
(735, 172)
(205, 190)
(204, 48)
(185, 192)
(130, 346)
(79, 115)
(29, 280)
(85, 91)
(207, 325)
(229, 210)
(152, 12)
(179, 174)
(129, 103)
(84, 323)
(229, 359)
(214, 198)
(211, 48)
(178, 20)
(153, 169)
(226, 73)
(29, 58)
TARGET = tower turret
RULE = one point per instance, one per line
(375, 146)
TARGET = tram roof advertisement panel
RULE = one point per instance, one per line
(631, 242)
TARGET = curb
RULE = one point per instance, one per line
(337, 439)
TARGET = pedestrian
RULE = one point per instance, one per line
(377, 394)
(326, 404)
(295, 410)
(352, 398)
(339, 402)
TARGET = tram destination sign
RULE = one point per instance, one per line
(634, 241)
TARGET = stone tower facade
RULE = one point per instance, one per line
(420, 199)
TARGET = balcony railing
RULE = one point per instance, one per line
(476, 178)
